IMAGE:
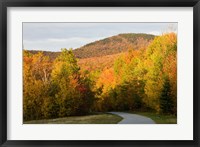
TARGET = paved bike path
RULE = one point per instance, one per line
(129, 118)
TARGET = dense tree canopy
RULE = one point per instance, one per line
(63, 93)
(142, 77)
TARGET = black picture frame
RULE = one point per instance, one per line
(97, 3)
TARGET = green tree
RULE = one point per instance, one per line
(166, 101)
(73, 96)
(156, 63)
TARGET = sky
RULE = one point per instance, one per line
(54, 36)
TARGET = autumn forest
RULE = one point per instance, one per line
(125, 72)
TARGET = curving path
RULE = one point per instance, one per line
(129, 118)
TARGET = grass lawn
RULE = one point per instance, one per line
(158, 118)
(88, 119)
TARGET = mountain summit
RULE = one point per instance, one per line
(114, 45)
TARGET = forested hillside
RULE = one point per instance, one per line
(113, 45)
(120, 73)
(108, 46)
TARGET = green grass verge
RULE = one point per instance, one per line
(89, 119)
(159, 118)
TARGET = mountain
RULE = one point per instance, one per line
(108, 46)
(113, 45)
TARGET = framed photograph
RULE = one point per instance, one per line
(86, 73)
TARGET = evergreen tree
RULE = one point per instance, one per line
(166, 102)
